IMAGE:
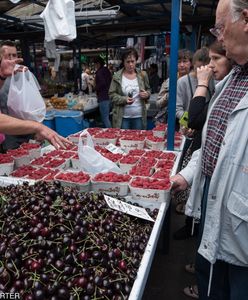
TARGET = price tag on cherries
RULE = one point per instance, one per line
(114, 149)
(127, 208)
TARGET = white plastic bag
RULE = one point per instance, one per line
(92, 161)
(24, 98)
(59, 20)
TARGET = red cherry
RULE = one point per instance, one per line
(122, 265)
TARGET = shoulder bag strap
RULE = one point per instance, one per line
(190, 85)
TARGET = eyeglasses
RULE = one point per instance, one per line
(217, 30)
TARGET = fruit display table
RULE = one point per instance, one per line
(90, 104)
(138, 286)
(151, 191)
(146, 262)
(87, 104)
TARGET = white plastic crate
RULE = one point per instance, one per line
(110, 188)
(128, 145)
(6, 168)
(149, 194)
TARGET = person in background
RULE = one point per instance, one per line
(129, 92)
(11, 126)
(85, 77)
(186, 87)
(112, 69)
(186, 84)
(102, 83)
(184, 62)
(218, 68)
(154, 79)
(53, 74)
(184, 66)
(8, 50)
(218, 170)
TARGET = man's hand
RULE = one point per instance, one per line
(45, 133)
(7, 66)
(178, 183)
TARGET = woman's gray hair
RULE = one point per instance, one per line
(237, 6)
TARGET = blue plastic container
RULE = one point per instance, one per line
(49, 119)
(68, 122)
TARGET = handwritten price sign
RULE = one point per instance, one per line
(127, 208)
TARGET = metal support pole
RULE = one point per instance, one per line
(75, 72)
(107, 50)
(175, 9)
(36, 72)
(25, 52)
(193, 37)
(79, 67)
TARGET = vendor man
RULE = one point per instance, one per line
(9, 125)
(8, 50)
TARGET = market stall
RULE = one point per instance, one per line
(33, 164)
(145, 263)
(71, 113)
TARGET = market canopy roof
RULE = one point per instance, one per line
(134, 18)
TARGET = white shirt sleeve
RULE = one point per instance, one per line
(189, 171)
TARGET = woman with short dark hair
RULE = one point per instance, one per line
(129, 92)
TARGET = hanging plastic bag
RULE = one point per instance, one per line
(59, 20)
(24, 98)
(184, 119)
(92, 161)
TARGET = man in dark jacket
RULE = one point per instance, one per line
(102, 83)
